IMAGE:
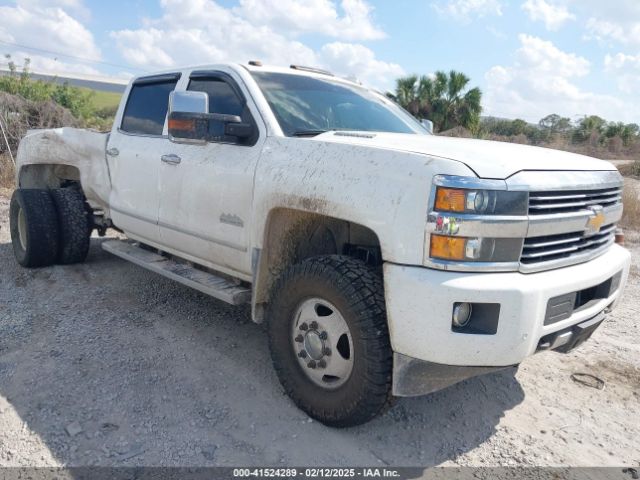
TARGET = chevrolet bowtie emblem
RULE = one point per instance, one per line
(595, 220)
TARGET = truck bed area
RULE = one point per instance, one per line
(68, 154)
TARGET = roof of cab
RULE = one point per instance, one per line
(301, 70)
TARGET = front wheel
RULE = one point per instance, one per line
(329, 339)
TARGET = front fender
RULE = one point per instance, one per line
(384, 190)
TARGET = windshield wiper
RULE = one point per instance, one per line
(307, 133)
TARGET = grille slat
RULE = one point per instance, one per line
(542, 203)
(538, 249)
(549, 251)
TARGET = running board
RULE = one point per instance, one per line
(208, 283)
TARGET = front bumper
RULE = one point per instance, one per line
(420, 301)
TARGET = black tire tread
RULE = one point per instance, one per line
(74, 225)
(42, 227)
(363, 289)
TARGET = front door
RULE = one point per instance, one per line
(207, 190)
(133, 155)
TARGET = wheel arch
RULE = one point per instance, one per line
(292, 235)
(47, 176)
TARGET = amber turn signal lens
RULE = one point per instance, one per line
(450, 200)
(179, 124)
(447, 248)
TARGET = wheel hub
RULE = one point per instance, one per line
(314, 345)
(322, 343)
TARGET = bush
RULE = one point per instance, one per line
(19, 115)
(79, 102)
(7, 172)
(631, 214)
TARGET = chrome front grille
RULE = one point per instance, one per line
(565, 201)
(571, 226)
(566, 245)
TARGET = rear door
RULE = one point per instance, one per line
(133, 155)
(206, 193)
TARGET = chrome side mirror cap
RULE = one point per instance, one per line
(188, 102)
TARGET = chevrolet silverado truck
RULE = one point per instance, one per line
(386, 261)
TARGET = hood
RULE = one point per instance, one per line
(488, 159)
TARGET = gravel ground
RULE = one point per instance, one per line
(107, 364)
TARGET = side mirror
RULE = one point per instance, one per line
(188, 102)
(187, 117)
(427, 124)
(191, 122)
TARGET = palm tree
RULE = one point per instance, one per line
(406, 93)
(441, 98)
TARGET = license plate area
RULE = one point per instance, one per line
(564, 306)
(572, 337)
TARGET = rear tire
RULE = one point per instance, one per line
(74, 225)
(34, 227)
(347, 297)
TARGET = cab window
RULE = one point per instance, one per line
(147, 107)
(224, 98)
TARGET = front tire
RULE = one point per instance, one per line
(329, 340)
(34, 227)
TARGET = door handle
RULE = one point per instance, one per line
(113, 152)
(171, 158)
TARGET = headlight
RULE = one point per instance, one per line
(484, 202)
(474, 224)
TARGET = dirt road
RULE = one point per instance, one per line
(107, 364)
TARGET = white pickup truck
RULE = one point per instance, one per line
(387, 261)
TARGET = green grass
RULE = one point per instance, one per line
(103, 99)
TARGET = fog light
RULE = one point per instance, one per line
(461, 314)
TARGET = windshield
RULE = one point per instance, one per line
(308, 106)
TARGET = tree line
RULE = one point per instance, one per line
(455, 109)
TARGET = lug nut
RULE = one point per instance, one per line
(327, 351)
(302, 354)
(311, 364)
(322, 364)
(304, 326)
(314, 325)
(299, 338)
(323, 335)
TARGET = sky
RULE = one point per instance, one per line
(530, 58)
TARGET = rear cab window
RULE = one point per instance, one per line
(147, 105)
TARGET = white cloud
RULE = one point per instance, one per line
(625, 33)
(612, 22)
(466, 10)
(313, 16)
(553, 15)
(543, 57)
(542, 81)
(202, 31)
(47, 26)
(626, 71)
(75, 7)
(352, 60)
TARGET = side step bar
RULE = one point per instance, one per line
(213, 285)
